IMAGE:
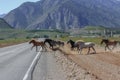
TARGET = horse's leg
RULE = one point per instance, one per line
(52, 47)
(32, 47)
(42, 48)
(93, 49)
(36, 48)
(88, 50)
(108, 48)
(80, 50)
(45, 47)
(105, 47)
(114, 46)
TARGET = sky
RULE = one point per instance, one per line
(8, 5)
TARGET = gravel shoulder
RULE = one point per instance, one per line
(56, 66)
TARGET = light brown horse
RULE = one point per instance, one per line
(80, 44)
(37, 43)
(109, 43)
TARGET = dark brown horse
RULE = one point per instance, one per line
(37, 43)
(73, 44)
(53, 43)
(60, 43)
(109, 43)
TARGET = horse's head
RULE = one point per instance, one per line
(47, 40)
(69, 41)
(32, 41)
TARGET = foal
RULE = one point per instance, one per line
(37, 43)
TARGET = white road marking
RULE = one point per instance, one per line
(32, 65)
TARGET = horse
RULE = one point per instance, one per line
(109, 43)
(51, 42)
(80, 44)
(86, 45)
(37, 43)
(60, 43)
(73, 44)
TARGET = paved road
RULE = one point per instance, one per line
(15, 61)
(48, 69)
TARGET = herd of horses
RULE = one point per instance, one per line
(79, 44)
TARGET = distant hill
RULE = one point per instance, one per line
(4, 24)
(65, 14)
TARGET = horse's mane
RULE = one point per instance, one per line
(47, 39)
(33, 40)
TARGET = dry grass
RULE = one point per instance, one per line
(9, 42)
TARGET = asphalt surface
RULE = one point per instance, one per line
(48, 69)
(15, 61)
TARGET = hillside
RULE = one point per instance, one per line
(4, 24)
(65, 14)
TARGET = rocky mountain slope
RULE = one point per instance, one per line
(65, 14)
(4, 24)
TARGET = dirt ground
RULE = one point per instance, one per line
(104, 65)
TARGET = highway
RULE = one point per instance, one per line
(15, 61)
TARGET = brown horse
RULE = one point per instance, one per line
(109, 43)
(37, 43)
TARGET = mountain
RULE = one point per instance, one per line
(65, 14)
(4, 24)
(2, 15)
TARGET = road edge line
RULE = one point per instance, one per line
(31, 66)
